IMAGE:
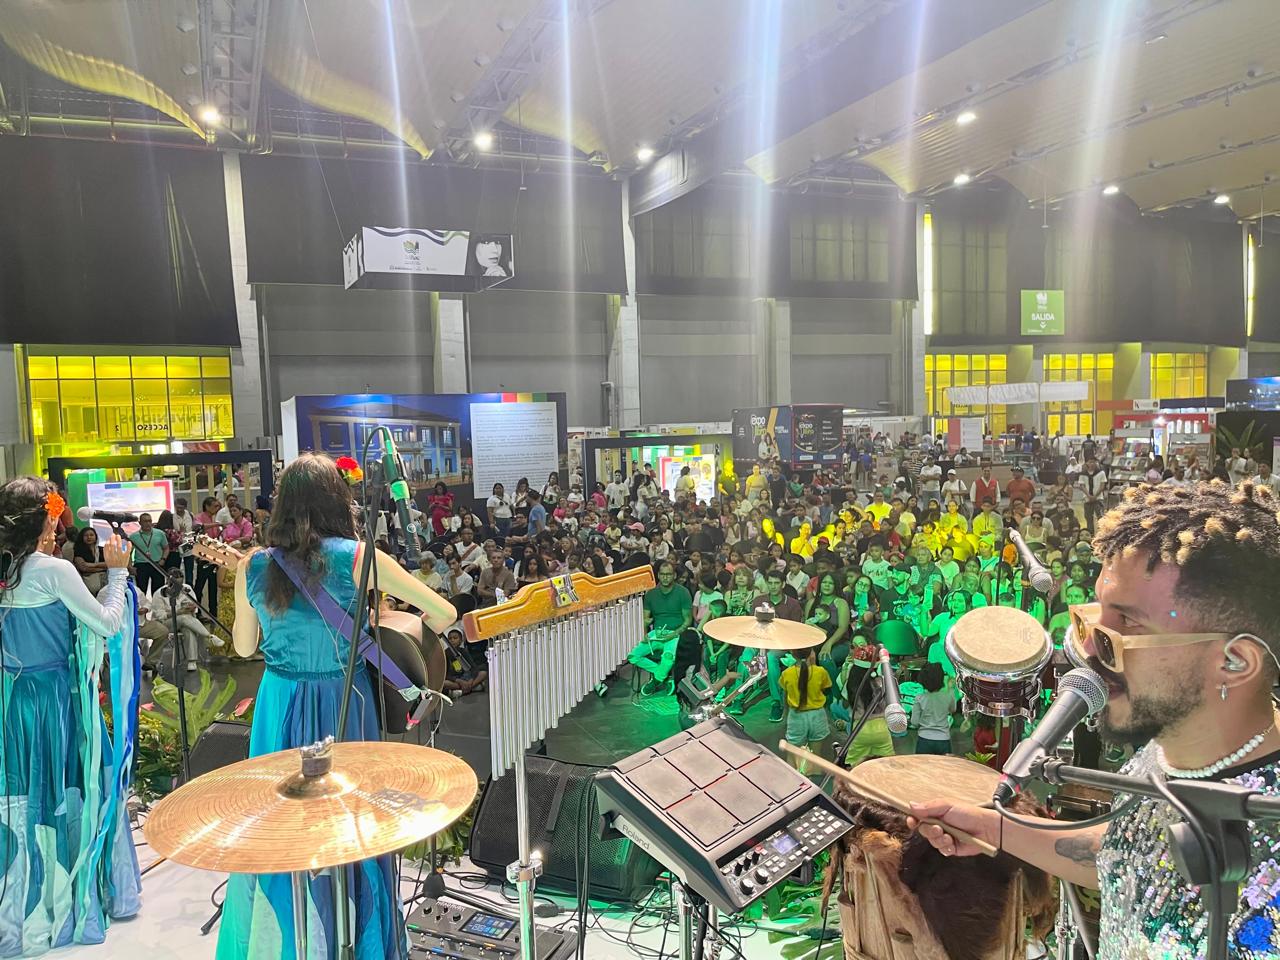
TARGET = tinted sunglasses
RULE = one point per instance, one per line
(1109, 645)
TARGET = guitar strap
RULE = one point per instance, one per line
(339, 619)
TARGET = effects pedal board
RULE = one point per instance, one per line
(441, 928)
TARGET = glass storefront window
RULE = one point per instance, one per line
(149, 367)
(46, 422)
(1176, 375)
(112, 368)
(215, 366)
(217, 408)
(944, 370)
(115, 410)
(75, 368)
(79, 410)
(184, 367)
(151, 406)
(85, 404)
(186, 409)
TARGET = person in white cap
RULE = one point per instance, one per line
(953, 488)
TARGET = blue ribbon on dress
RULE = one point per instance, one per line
(114, 768)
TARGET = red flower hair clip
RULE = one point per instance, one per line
(349, 469)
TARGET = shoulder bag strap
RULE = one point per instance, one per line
(339, 619)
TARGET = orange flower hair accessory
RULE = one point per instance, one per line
(54, 505)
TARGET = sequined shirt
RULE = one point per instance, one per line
(1150, 913)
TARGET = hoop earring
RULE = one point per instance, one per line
(1223, 691)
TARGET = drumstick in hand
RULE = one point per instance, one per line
(879, 796)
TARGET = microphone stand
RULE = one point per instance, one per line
(877, 702)
(1210, 850)
(174, 583)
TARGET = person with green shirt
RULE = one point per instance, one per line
(153, 546)
(785, 608)
(668, 613)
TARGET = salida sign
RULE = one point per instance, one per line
(1043, 313)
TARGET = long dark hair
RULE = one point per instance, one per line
(803, 656)
(312, 502)
(83, 550)
(22, 520)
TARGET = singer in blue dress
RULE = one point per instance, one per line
(299, 702)
(67, 861)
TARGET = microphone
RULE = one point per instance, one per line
(398, 487)
(109, 516)
(1081, 694)
(1041, 580)
(895, 718)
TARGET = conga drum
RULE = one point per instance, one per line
(999, 655)
(900, 899)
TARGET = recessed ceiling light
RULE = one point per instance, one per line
(209, 115)
(644, 154)
(1110, 190)
(965, 118)
(961, 179)
(507, 24)
(190, 69)
(457, 96)
(185, 24)
(1222, 198)
(1156, 38)
(481, 60)
(483, 140)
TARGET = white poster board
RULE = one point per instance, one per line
(971, 434)
(1275, 455)
(510, 441)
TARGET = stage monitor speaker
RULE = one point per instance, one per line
(223, 742)
(563, 817)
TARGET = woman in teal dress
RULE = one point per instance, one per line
(299, 702)
(67, 861)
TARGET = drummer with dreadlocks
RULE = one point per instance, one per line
(1185, 634)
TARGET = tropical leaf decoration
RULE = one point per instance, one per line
(204, 706)
(1250, 440)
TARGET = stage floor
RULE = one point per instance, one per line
(176, 904)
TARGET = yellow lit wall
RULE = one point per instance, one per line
(82, 404)
(1175, 375)
(943, 370)
(1079, 417)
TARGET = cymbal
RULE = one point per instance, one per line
(764, 634)
(263, 815)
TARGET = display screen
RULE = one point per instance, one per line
(784, 844)
(487, 925)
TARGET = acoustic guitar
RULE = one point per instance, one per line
(402, 637)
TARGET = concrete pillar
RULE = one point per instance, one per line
(247, 394)
(623, 331)
(780, 353)
(1131, 373)
(11, 387)
(910, 400)
(450, 358)
(1020, 368)
(1224, 364)
(762, 348)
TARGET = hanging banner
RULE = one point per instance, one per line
(1064, 390)
(409, 252)
(1043, 313)
(1006, 393)
(817, 434)
(1013, 393)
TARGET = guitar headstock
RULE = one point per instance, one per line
(215, 551)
